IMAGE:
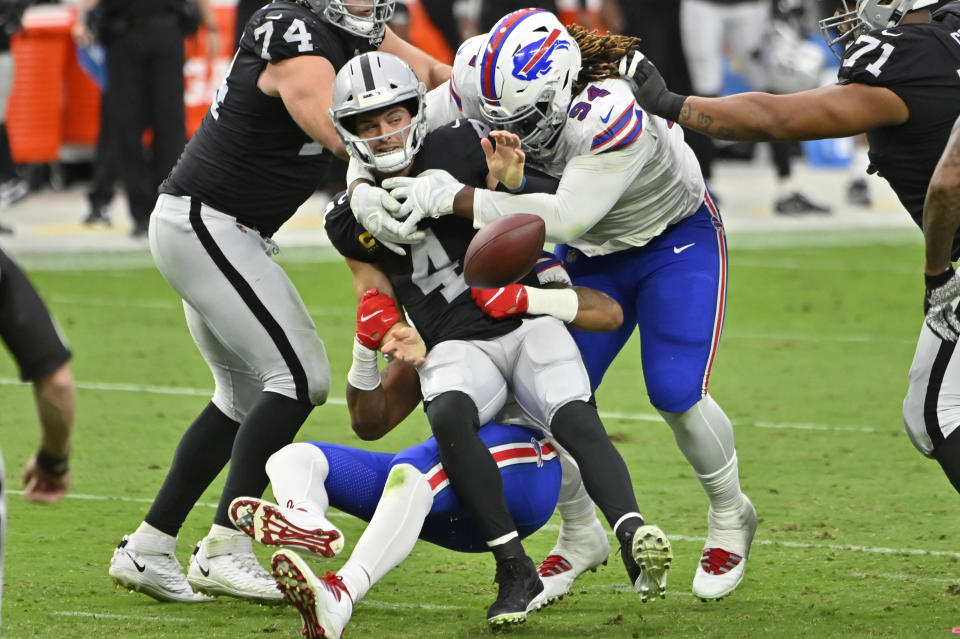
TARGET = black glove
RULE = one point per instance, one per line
(648, 86)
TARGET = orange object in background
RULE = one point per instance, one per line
(425, 35)
(54, 108)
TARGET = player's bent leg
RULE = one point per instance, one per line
(223, 564)
(948, 455)
(582, 544)
(324, 604)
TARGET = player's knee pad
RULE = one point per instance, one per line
(673, 392)
(299, 457)
(452, 416)
(406, 478)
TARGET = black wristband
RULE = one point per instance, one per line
(671, 104)
(56, 466)
(936, 281)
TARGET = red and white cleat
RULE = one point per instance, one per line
(271, 525)
(577, 551)
(325, 604)
(724, 558)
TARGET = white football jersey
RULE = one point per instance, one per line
(625, 175)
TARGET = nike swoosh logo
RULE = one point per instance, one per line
(681, 249)
(276, 17)
(203, 571)
(605, 119)
(364, 318)
(892, 34)
(140, 567)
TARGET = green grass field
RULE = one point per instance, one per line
(858, 532)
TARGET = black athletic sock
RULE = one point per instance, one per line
(948, 454)
(270, 425)
(781, 158)
(8, 169)
(202, 453)
(578, 428)
(469, 466)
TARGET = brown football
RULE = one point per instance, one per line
(504, 250)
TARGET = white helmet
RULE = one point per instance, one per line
(856, 17)
(791, 63)
(528, 63)
(372, 26)
(371, 82)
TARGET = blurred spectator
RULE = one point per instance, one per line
(709, 30)
(858, 189)
(441, 14)
(492, 10)
(12, 186)
(145, 58)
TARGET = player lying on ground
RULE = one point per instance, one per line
(307, 478)
(474, 364)
(898, 83)
(634, 219)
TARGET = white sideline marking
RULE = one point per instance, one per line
(905, 577)
(876, 550)
(100, 615)
(340, 401)
(373, 603)
(156, 304)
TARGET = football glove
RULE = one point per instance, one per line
(376, 313)
(430, 194)
(550, 270)
(648, 86)
(373, 206)
(501, 302)
(942, 291)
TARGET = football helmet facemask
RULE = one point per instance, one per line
(528, 63)
(370, 24)
(372, 82)
(856, 17)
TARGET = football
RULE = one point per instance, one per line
(504, 251)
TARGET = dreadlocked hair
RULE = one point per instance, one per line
(599, 53)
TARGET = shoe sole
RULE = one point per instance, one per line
(651, 550)
(130, 583)
(290, 572)
(266, 524)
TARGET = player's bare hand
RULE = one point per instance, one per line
(505, 161)
(43, 487)
(405, 344)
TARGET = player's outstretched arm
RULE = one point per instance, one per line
(941, 218)
(431, 71)
(828, 112)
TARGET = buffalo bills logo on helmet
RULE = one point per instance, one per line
(533, 60)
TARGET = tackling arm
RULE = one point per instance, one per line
(941, 211)
(376, 410)
(305, 84)
(839, 110)
(431, 71)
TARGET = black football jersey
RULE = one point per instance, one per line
(249, 158)
(921, 64)
(429, 280)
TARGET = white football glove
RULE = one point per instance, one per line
(373, 207)
(942, 291)
(430, 194)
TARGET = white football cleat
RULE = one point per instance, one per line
(325, 604)
(578, 550)
(146, 563)
(226, 565)
(724, 558)
(651, 555)
(272, 525)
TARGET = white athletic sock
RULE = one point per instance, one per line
(577, 512)
(147, 529)
(723, 487)
(217, 530)
(859, 163)
(392, 532)
(297, 472)
(705, 437)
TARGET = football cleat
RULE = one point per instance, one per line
(520, 592)
(724, 558)
(146, 563)
(272, 526)
(647, 559)
(797, 203)
(577, 551)
(325, 605)
(226, 565)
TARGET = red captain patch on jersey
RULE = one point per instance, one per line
(532, 452)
